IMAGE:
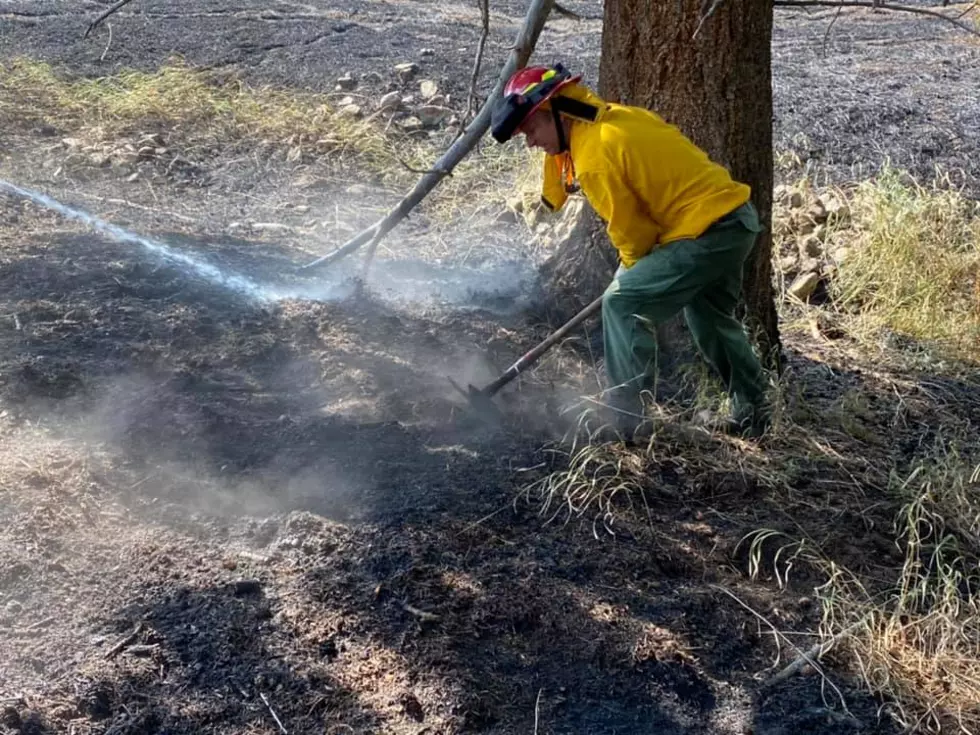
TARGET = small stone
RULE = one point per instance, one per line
(427, 52)
(410, 124)
(347, 82)
(406, 71)
(841, 254)
(796, 199)
(345, 101)
(804, 286)
(788, 263)
(428, 89)
(811, 246)
(147, 151)
(838, 213)
(372, 77)
(781, 195)
(13, 608)
(391, 101)
(71, 143)
(817, 212)
(432, 116)
(349, 111)
(508, 217)
(516, 204)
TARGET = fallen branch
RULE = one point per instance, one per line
(422, 615)
(105, 14)
(969, 28)
(534, 21)
(808, 657)
(128, 640)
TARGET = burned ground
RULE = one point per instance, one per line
(221, 508)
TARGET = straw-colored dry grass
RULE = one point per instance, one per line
(206, 114)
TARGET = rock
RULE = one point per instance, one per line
(410, 124)
(811, 247)
(344, 101)
(349, 111)
(508, 217)
(428, 89)
(406, 72)
(427, 52)
(838, 213)
(805, 284)
(788, 263)
(839, 255)
(438, 99)
(796, 199)
(71, 144)
(390, 101)
(432, 116)
(817, 212)
(146, 152)
(372, 77)
(516, 204)
(347, 82)
(782, 195)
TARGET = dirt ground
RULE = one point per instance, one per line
(255, 505)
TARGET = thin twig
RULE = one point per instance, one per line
(802, 654)
(562, 10)
(105, 14)
(484, 34)
(425, 617)
(424, 171)
(537, 710)
(973, 30)
(114, 651)
(272, 712)
(107, 43)
(813, 653)
(826, 35)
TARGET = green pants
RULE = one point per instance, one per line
(704, 278)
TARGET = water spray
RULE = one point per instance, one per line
(232, 281)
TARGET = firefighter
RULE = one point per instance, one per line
(682, 227)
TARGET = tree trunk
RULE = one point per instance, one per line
(717, 88)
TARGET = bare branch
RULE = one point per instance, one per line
(561, 10)
(105, 14)
(484, 34)
(969, 28)
(534, 21)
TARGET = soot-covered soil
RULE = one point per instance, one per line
(209, 500)
(228, 515)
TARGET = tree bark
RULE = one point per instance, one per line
(717, 88)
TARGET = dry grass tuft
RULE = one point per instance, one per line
(913, 265)
(918, 642)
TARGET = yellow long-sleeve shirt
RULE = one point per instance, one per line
(649, 182)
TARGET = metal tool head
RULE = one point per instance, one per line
(480, 403)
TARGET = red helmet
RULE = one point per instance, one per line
(524, 93)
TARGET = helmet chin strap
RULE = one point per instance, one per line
(560, 130)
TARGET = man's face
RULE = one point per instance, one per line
(539, 132)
